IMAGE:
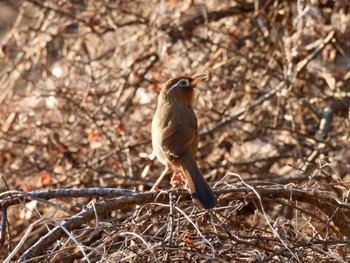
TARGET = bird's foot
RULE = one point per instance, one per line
(177, 181)
(155, 188)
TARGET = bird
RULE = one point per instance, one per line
(175, 137)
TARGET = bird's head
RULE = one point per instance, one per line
(180, 89)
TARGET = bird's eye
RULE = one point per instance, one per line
(183, 82)
(180, 83)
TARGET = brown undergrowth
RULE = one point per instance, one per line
(79, 83)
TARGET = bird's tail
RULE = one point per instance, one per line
(201, 192)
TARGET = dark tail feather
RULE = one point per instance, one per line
(201, 192)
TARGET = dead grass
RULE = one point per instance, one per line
(78, 88)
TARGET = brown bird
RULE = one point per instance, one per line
(175, 137)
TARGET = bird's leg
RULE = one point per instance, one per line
(155, 186)
(177, 179)
(187, 186)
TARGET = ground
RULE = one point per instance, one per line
(79, 85)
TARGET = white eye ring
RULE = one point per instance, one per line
(180, 83)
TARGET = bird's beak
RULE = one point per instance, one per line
(197, 79)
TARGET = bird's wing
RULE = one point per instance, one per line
(176, 139)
